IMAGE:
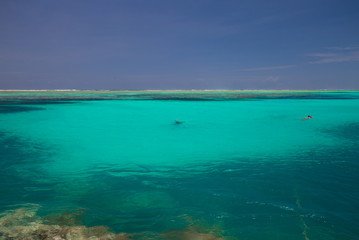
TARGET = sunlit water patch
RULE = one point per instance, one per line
(237, 167)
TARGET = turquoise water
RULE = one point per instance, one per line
(242, 162)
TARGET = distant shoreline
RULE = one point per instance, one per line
(194, 90)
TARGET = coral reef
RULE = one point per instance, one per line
(191, 233)
(24, 224)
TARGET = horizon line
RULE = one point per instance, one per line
(164, 90)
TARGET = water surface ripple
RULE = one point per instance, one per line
(237, 165)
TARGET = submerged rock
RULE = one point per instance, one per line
(69, 217)
(191, 233)
(24, 224)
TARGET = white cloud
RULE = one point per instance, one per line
(342, 48)
(273, 79)
(337, 55)
(321, 55)
(269, 68)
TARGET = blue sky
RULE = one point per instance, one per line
(187, 44)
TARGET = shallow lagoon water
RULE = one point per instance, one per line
(243, 163)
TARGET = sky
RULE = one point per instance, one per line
(179, 44)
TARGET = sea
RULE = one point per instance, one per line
(246, 165)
